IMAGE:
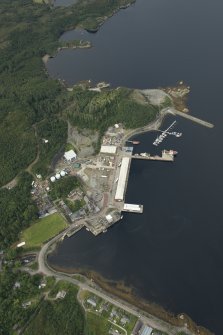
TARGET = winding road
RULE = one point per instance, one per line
(90, 286)
(146, 318)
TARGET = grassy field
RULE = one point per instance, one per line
(96, 324)
(43, 230)
(99, 319)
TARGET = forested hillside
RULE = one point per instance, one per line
(34, 107)
(31, 104)
(42, 315)
(16, 210)
(100, 110)
(28, 31)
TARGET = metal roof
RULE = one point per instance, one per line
(69, 155)
(146, 330)
(108, 149)
(132, 207)
(122, 179)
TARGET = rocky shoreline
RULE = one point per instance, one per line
(129, 294)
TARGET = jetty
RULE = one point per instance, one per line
(122, 178)
(73, 231)
(165, 133)
(195, 119)
(166, 156)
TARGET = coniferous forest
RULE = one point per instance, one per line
(34, 107)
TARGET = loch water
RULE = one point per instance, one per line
(172, 254)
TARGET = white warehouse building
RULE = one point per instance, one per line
(120, 191)
(108, 149)
(70, 155)
(132, 208)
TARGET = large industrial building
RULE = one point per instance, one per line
(70, 155)
(120, 192)
(146, 330)
(133, 208)
(108, 149)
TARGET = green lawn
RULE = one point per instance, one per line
(130, 325)
(43, 230)
(99, 323)
(96, 325)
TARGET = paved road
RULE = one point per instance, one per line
(151, 126)
(92, 287)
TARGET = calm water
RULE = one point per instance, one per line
(172, 253)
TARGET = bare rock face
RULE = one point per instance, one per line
(153, 96)
(83, 141)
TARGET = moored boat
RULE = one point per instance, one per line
(171, 152)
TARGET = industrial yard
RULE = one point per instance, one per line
(97, 202)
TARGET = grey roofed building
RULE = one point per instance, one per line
(146, 330)
(119, 195)
(91, 302)
(124, 320)
(61, 294)
(17, 285)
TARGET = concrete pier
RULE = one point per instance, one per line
(132, 208)
(74, 231)
(194, 119)
(164, 158)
